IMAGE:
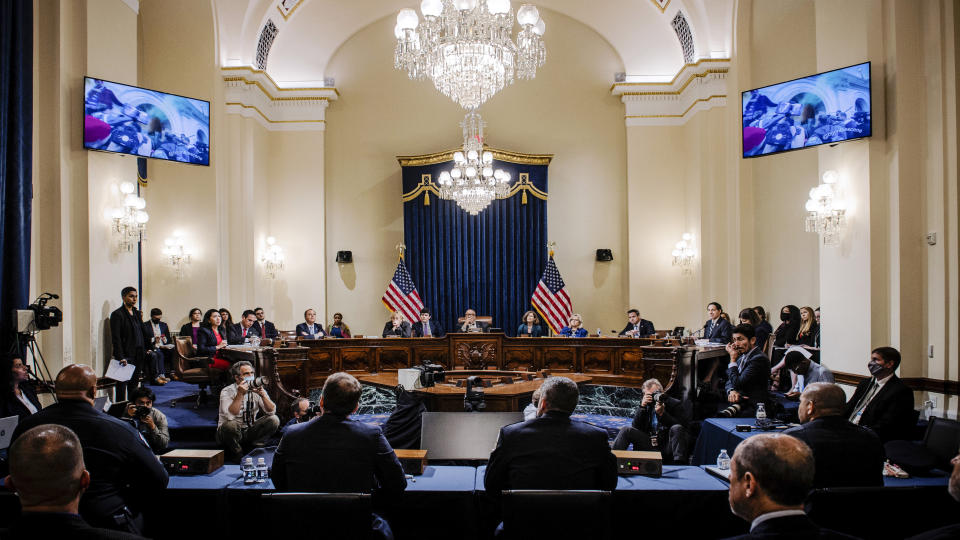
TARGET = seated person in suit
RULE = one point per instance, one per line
(716, 329)
(749, 316)
(264, 328)
(552, 451)
(637, 327)
(396, 326)
(948, 532)
(310, 328)
(156, 335)
(800, 362)
(883, 402)
(240, 333)
(748, 374)
(770, 477)
(237, 424)
(574, 327)
(192, 327)
(530, 325)
(335, 454)
(148, 420)
(210, 339)
(846, 455)
(659, 425)
(530, 411)
(470, 323)
(339, 329)
(426, 327)
(48, 474)
(18, 397)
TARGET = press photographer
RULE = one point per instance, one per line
(240, 405)
(660, 425)
(302, 411)
(150, 422)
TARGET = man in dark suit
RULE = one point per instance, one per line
(334, 454)
(748, 374)
(156, 338)
(126, 333)
(552, 451)
(471, 324)
(883, 402)
(770, 476)
(660, 424)
(264, 328)
(310, 328)
(48, 474)
(846, 455)
(125, 476)
(426, 327)
(240, 333)
(637, 327)
(716, 329)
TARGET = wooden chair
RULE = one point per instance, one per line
(193, 370)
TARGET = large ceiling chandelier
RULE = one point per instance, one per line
(466, 47)
(472, 182)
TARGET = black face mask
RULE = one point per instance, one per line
(156, 321)
(875, 368)
(784, 317)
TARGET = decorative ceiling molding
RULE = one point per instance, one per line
(699, 86)
(253, 94)
(661, 4)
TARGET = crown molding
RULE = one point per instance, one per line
(699, 86)
(252, 93)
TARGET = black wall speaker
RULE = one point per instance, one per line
(344, 256)
(604, 255)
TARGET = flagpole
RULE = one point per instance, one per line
(550, 246)
(401, 248)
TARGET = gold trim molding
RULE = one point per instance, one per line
(276, 87)
(426, 187)
(657, 5)
(675, 77)
(245, 106)
(506, 156)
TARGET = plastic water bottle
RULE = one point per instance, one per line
(723, 460)
(761, 415)
(261, 470)
(249, 471)
(599, 332)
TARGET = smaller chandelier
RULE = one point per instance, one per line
(176, 254)
(472, 182)
(684, 253)
(826, 210)
(129, 222)
(272, 259)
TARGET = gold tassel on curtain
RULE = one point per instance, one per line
(523, 200)
(426, 198)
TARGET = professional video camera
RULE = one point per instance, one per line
(430, 374)
(473, 398)
(38, 315)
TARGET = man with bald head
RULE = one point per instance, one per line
(47, 472)
(846, 454)
(770, 477)
(124, 474)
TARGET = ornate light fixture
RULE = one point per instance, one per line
(472, 182)
(684, 253)
(826, 210)
(129, 222)
(272, 259)
(466, 47)
(176, 253)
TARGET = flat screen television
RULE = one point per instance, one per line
(825, 108)
(137, 121)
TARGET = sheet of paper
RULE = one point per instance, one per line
(119, 372)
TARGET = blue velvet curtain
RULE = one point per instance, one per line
(16, 133)
(490, 262)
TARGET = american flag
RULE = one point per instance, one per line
(550, 298)
(402, 294)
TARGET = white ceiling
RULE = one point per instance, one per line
(309, 37)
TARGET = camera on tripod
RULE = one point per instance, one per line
(38, 315)
(431, 374)
(473, 399)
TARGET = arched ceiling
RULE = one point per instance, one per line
(311, 33)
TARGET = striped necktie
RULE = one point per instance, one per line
(858, 411)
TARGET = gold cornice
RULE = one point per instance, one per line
(245, 106)
(662, 9)
(271, 98)
(675, 77)
(426, 186)
(681, 115)
(682, 88)
(290, 14)
(254, 71)
(524, 185)
(500, 155)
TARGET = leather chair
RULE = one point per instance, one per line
(332, 515)
(480, 319)
(556, 514)
(942, 440)
(193, 370)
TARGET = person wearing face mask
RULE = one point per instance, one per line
(883, 402)
(784, 337)
(158, 344)
(240, 405)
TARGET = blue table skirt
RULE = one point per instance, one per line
(675, 478)
(721, 433)
(434, 478)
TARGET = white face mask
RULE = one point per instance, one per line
(248, 379)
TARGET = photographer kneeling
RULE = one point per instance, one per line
(660, 424)
(240, 403)
(150, 422)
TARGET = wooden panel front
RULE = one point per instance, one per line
(631, 362)
(598, 360)
(356, 359)
(558, 359)
(392, 358)
(519, 359)
(428, 354)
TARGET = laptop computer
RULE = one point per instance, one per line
(7, 425)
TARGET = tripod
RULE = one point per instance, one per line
(40, 372)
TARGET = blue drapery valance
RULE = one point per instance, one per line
(490, 262)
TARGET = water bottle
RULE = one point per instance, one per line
(261, 470)
(761, 415)
(599, 332)
(249, 471)
(723, 460)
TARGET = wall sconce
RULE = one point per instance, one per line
(129, 222)
(826, 210)
(272, 258)
(684, 253)
(176, 254)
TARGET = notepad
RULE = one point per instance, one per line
(119, 372)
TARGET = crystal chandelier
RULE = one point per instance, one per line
(466, 47)
(472, 182)
(129, 222)
(825, 210)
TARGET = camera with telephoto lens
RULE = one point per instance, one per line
(659, 397)
(431, 374)
(259, 382)
(313, 409)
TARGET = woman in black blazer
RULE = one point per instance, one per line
(192, 328)
(18, 399)
(530, 325)
(211, 338)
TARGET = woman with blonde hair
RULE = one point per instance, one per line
(808, 327)
(574, 327)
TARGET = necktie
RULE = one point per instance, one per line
(858, 411)
(263, 330)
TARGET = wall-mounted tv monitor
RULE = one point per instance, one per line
(825, 108)
(147, 123)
